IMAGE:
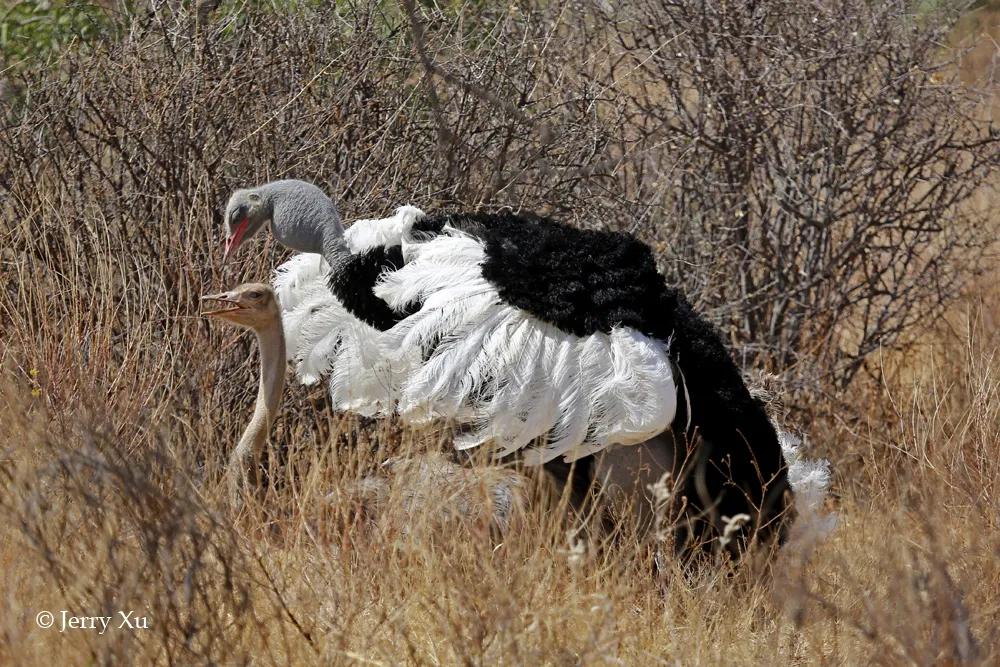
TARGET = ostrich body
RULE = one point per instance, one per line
(488, 494)
(529, 335)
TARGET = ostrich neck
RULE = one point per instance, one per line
(272, 383)
(305, 219)
(335, 248)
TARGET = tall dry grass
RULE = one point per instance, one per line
(119, 405)
(97, 520)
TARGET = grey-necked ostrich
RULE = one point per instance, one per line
(533, 336)
(488, 495)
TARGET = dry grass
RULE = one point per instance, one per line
(119, 406)
(102, 513)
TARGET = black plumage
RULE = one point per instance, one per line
(735, 464)
(581, 281)
(352, 285)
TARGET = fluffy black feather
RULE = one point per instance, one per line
(581, 281)
(353, 283)
(735, 464)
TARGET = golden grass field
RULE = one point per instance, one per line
(104, 511)
(118, 406)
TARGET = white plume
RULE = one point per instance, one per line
(810, 482)
(468, 356)
(367, 234)
(324, 339)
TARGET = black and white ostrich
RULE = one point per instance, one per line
(534, 336)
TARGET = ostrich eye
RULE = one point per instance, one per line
(238, 214)
(256, 294)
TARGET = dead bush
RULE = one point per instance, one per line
(800, 168)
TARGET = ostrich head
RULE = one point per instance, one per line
(245, 216)
(250, 306)
(302, 217)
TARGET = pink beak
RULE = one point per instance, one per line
(234, 241)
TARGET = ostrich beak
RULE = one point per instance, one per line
(234, 241)
(229, 305)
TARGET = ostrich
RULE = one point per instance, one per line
(254, 306)
(488, 495)
(530, 335)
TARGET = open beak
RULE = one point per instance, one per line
(234, 241)
(227, 305)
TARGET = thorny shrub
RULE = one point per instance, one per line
(801, 168)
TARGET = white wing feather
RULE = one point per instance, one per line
(468, 356)
(367, 234)
(508, 375)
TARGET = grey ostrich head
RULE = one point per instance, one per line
(302, 217)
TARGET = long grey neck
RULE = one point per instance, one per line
(272, 383)
(303, 218)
